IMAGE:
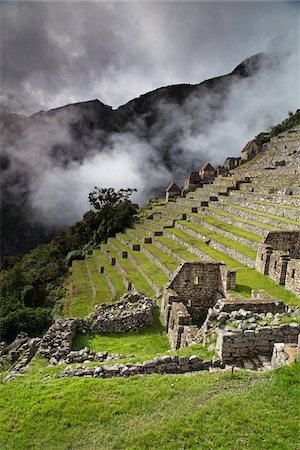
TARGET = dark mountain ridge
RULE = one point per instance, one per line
(70, 134)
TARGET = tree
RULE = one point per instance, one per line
(106, 198)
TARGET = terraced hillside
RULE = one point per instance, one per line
(223, 221)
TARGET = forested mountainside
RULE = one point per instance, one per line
(65, 136)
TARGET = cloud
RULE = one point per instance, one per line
(55, 53)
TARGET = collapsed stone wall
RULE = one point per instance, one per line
(172, 364)
(130, 315)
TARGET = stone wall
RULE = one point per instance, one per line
(285, 241)
(172, 364)
(277, 257)
(235, 254)
(194, 288)
(131, 315)
(292, 281)
(178, 317)
(244, 343)
(200, 284)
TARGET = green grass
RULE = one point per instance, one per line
(144, 344)
(262, 214)
(178, 249)
(82, 292)
(230, 228)
(247, 279)
(264, 226)
(153, 272)
(112, 272)
(132, 274)
(205, 411)
(103, 292)
(201, 245)
(167, 260)
(244, 249)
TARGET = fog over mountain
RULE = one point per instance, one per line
(52, 159)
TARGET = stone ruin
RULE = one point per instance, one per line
(279, 258)
(194, 288)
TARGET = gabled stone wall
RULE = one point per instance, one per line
(277, 257)
(292, 280)
(194, 288)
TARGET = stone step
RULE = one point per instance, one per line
(252, 226)
(221, 232)
(255, 214)
(194, 218)
(112, 275)
(264, 207)
(146, 250)
(148, 230)
(139, 261)
(217, 245)
(289, 200)
(139, 235)
(185, 243)
(164, 219)
(170, 247)
(112, 259)
(193, 202)
(274, 189)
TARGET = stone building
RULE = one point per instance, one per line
(207, 173)
(279, 258)
(194, 288)
(172, 191)
(232, 162)
(249, 151)
(192, 181)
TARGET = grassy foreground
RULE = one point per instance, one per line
(203, 411)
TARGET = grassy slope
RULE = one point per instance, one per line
(203, 411)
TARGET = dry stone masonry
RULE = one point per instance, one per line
(194, 288)
(279, 257)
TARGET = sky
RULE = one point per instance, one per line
(55, 53)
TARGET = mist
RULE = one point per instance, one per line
(117, 52)
(59, 194)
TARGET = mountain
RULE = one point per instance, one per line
(61, 137)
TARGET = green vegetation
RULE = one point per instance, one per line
(112, 272)
(229, 228)
(205, 248)
(132, 274)
(153, 272)
(247, 279)
(178, 249)
(82, 290)
(245, 411)
(290, 122)
(279, 219)
(167, 260)
(241, 219)
(221, 239)
(32, 286)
